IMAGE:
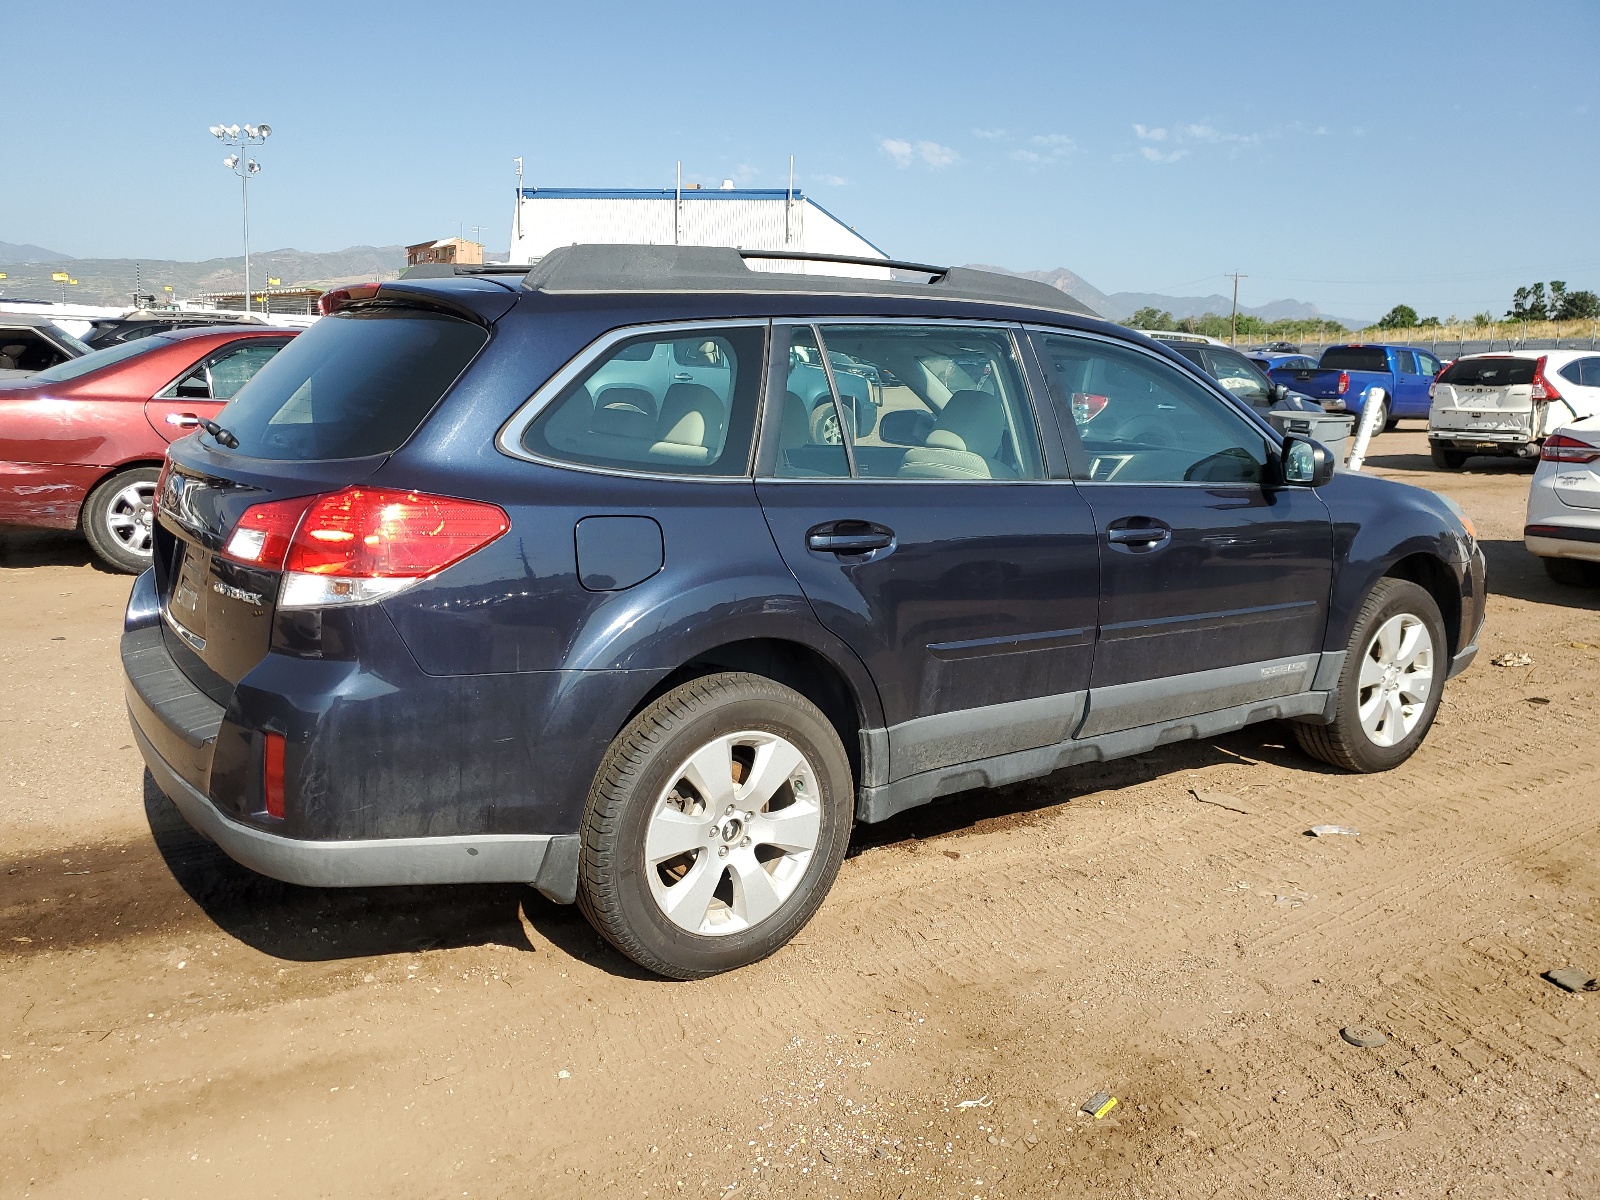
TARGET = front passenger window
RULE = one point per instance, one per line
(1141, 421)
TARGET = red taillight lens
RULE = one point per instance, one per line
(373, 533)
(1086, 406)
(1543, 389)
(262, 536)
(1564, 448)
(272, 774)
(1344, 382)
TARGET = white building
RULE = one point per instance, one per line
(746, 218)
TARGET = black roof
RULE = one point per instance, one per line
(664, 270)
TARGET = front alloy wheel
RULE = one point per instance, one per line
(715, 825)
(1390, 685)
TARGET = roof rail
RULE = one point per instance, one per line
(445, 270)
(594, 269)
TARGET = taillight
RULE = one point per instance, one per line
(272, 774)
(363, 544)
(1564, 448)
(262, 536)
(1086, 406)
(1543, 389)
(1344, 382)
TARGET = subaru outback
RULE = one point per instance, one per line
(555, 576)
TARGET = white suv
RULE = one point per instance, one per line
(1507, 403)
(1563, 526)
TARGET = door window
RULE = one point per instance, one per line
(810, 441)
(1585, 372)
(1427, 364)
(1236, 373)
(1141, 421)
(23, 349)
(943, 402)
(235, 368)
(679, 403)
(1406, 361)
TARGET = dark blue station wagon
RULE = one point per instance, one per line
(642, 576)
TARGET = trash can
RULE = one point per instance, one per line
(1331, 429)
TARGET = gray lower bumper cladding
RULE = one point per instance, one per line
(547, 861)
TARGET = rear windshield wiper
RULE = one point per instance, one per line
(223, 436)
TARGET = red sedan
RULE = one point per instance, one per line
(81, 444)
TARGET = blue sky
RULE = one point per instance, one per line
(1356, 155)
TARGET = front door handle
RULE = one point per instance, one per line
(183, 420)
(683, 377)
(849, 537)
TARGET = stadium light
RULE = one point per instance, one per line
(244, 167)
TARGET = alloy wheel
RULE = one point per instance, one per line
(733, 833)
(1396, 679)
(129, 516)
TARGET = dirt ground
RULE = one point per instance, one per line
(172, 1025)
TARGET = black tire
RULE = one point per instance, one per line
(1449, 460)
(1572, 572)
(614, 889)
(825, 424)
(1345, 742)
(114, 527)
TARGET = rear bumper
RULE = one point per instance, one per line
(1564, 540)
(548, 861)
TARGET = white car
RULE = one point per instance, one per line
(1508, 402)
(1563, 526)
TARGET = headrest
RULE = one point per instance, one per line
(796, 427)
(691, 415)
(622, 417)
(972, 421)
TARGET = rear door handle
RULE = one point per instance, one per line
(683, 377)
(183, 420)
(849, 537)
(1149, 534)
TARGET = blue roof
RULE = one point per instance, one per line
(703, 193)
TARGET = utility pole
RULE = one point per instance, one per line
(1233, 337)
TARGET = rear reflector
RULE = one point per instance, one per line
(1564, 448)
(272, 775)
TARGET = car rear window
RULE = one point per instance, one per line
(1489, 372)
(357, 383)
(74, 368)
(1355, 358)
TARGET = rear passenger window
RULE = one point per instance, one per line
(926, 402)
(1141, 421)
(1585, 372)
(678, 403)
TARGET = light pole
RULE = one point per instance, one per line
(242, 138)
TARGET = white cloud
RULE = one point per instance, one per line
(900, 152)
(1156, 156)
(936, 155)
(990, 135)
(1182, 138)
(833, 180)
(1145, 133)
(1048, 148)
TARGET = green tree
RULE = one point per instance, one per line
(1483, 318)
(1401, 316)
(1529, 304)
(1578, 306)
(1149, 318)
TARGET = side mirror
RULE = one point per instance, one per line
(1280, 391)
(1305, 463)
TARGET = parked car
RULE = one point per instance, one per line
(1345, 374)
(1509, 402)
(1270, 361)
(29, 344)
(81, 443)
(113, 331)
(434, 603)
(1563, 525)
(1239, 375)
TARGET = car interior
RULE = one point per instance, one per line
(23, 349)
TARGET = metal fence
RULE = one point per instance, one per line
(1444, 342)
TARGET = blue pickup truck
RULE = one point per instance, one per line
(1344, 374)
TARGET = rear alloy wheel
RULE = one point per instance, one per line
(715, 826)
(1448, 460)
(118, 518)
(1391, 684)
(1574, 572)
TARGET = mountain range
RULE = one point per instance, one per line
(112, 280)
(1118, 306)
